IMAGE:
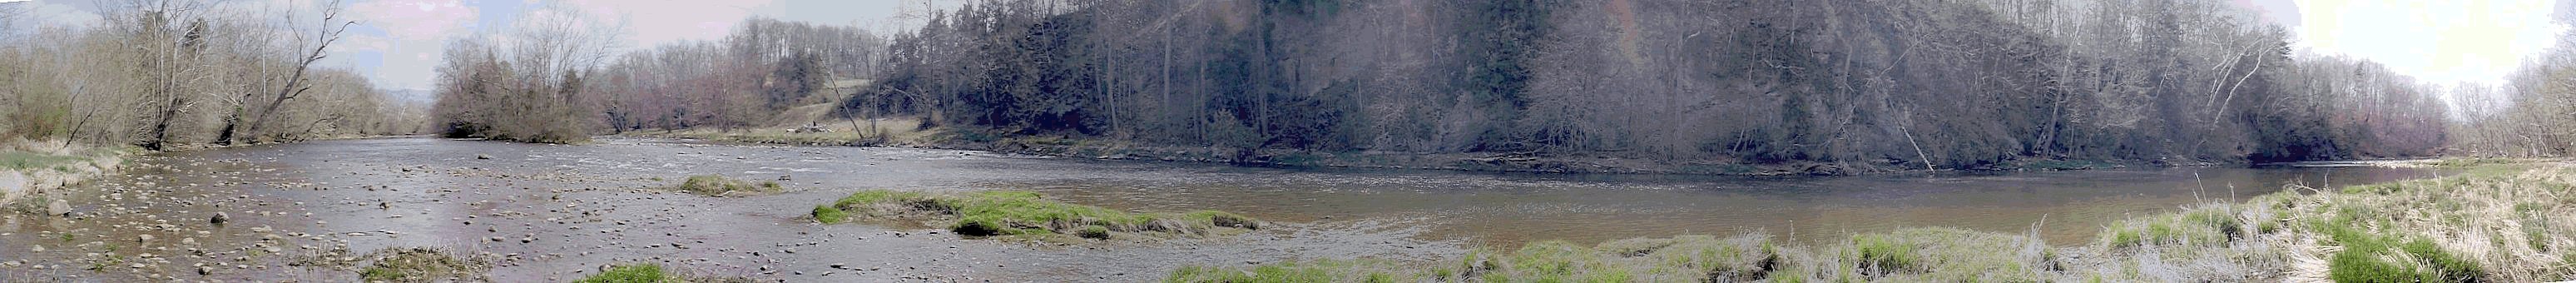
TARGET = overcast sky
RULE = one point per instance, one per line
(397, 42)
(2439, 41)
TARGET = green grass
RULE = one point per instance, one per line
(2209, 226)
(22, 161)
(717, 185)
(829, 215)
(1275, 273)
(652, 273)
(636, 273)
(998, 213)
(2472, 161)
(2467, 228)
(1884, 254)
(420, 265)
(2386, 256)
(1691, 258)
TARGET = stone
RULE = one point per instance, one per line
(482, 156)
(220, 218)
(59, 208)
(143, 238)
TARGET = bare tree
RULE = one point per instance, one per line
(170, 37)
(327, 32)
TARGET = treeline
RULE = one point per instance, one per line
(174, 73)
(1908, 83)
(559, 81)
(746, 79)
(2533, 114)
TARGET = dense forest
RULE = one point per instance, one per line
(1873, 84)
(173, 73)
(1947, 84)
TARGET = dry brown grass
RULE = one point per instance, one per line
(2478, 227)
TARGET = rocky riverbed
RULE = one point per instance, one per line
(328, 210)
(316, 211)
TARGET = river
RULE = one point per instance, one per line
(557, 212)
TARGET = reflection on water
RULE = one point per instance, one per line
(1508, 209)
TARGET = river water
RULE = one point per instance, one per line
(557, 212)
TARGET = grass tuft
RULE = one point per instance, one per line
(638, 273)
(421, 265)
(23, 161)
(651, 273)
(717, 185)
(829, 215)
(1018, 213)
(2454, 229)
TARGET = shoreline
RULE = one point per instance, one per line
(35, 168)
(1525, 162)
(69, 165)
(2468, 228)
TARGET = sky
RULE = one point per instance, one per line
(398, 41)
(2445, 42)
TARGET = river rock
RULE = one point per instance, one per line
(143, 238)
(12, 184)
(220, 218)
(58, 207)
(482, 156)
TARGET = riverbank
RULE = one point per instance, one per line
(2501, 227)
(30, 168)
(909, 133)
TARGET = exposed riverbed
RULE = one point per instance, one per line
(557, 212)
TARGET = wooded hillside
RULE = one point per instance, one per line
(1947, 84)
